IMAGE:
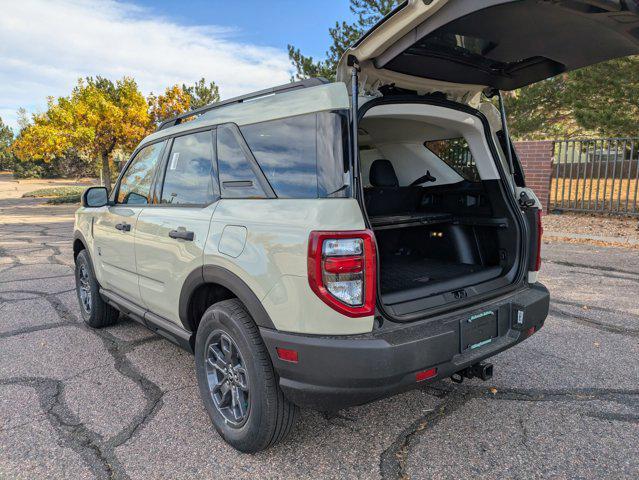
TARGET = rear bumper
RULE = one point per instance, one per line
(337, 372)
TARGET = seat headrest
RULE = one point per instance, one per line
(382, 174)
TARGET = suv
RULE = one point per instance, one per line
(320, 247)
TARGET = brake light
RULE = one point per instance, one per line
(342, 270)
(540, 232)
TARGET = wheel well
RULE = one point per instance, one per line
(78, 246)
(202, 298)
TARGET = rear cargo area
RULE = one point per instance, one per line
(434, 198)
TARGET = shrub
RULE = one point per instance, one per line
(57, 192)
(71, 198)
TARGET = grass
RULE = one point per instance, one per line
(57, 195)
(594, 192)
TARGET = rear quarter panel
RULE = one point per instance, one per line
(273, 262)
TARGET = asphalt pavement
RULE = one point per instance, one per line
(123, 403)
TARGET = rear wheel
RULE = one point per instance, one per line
(95, 312)
(237, 381)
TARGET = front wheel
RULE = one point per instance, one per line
(95, 312)
(237, 382)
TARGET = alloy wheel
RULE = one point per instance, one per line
(227, 378)
(84, 288)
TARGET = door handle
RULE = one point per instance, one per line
(182, 234)
(123, 227)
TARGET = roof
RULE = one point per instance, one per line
(272, 105)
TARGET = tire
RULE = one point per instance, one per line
(268, 415)
(96, 313)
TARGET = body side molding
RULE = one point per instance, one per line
(176, 334)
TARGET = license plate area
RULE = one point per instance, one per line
(478, 330)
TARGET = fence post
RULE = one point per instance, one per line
(536, 160)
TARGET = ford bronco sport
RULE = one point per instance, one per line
(328, 244)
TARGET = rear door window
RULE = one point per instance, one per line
(455, 153)
(190, 173)
(238, 176)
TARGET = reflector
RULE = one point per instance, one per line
(426, 374)
(287, 354)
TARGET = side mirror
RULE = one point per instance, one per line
(95, 197)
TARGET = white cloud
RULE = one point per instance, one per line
(46, 46)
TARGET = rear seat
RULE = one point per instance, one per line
(385, 196)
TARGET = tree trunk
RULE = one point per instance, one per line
(106, 171)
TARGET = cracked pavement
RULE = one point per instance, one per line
(123, 403)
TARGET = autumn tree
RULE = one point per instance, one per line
(174, 101)
(343, 35)
(98, 117)
(180, 99)
(6, 139)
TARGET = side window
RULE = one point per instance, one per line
(190, 175)
(237, 178)
(455, 153)
(135, 184)
(286, 151)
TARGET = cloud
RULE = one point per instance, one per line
(46, 46)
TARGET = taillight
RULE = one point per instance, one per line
(540, 232)
(341, 270)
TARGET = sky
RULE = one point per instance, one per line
(45, 46)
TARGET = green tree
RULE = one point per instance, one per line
(602, 99)
(98, 118)
(202, 93)
(343, 35)
(6, 139)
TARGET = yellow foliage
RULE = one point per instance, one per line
(174, 101)
(98, 117)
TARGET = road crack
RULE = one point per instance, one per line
(393, 460)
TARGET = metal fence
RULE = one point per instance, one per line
(596, 175)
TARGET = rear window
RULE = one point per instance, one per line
(305, 156)
(286, 151)
(455, 153)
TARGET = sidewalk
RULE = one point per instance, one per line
(597, 229)
(594, 238)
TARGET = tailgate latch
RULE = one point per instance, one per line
(459, 294)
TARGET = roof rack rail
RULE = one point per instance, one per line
(309, 82)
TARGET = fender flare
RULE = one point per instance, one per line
(229, 280)
(77, 235)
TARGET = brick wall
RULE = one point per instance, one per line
(536, 159)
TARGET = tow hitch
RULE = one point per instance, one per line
(483, 370)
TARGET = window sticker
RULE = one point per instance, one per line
(174, 160)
